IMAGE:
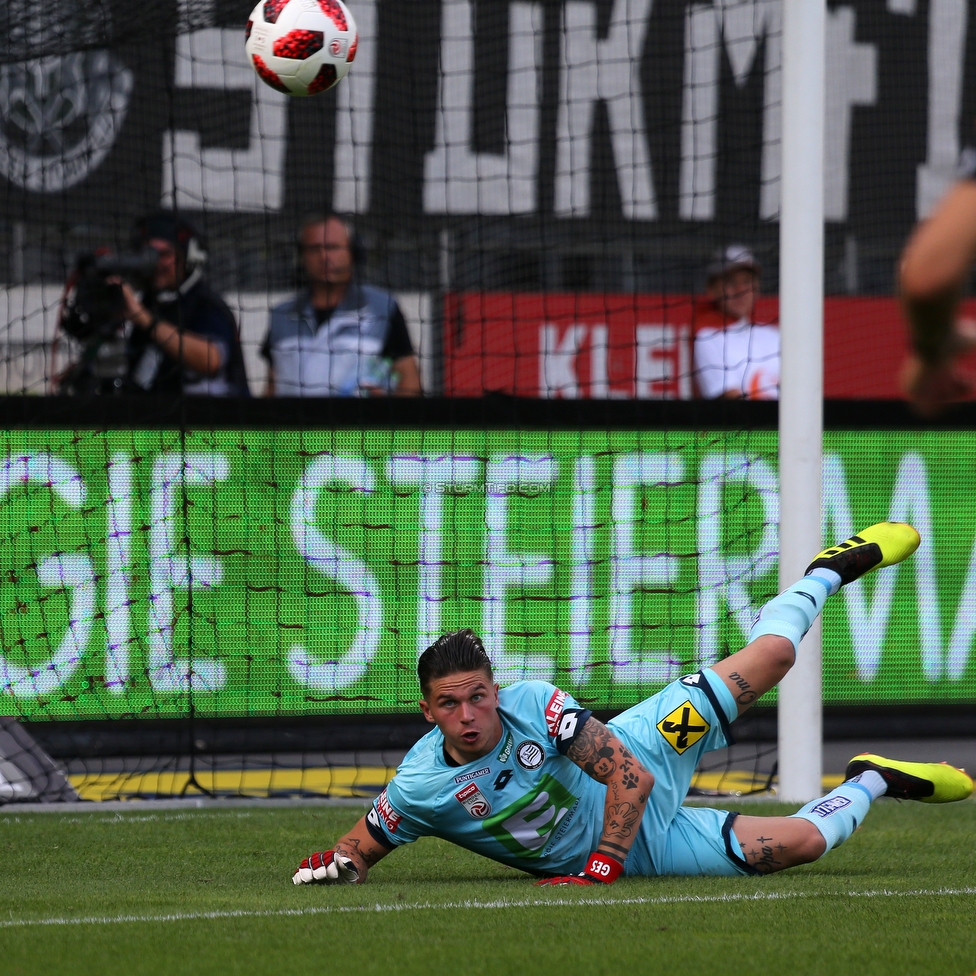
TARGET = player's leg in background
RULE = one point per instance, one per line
(774, 843)
(785, 619)
(932, 276)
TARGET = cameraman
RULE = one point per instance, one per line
(182, 337)
(188, 334)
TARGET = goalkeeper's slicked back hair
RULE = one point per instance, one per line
(452, 654)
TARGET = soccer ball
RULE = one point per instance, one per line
(301, 47)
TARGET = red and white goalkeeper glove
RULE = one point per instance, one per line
(600, 869)
(326, 867)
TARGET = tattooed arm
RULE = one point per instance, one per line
(361, 848)
(347, 863)
(600, 754)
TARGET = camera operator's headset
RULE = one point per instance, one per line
(168, 226)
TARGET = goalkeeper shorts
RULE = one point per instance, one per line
(669, 733)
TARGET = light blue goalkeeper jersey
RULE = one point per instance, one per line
(527, 805)
(524, 804)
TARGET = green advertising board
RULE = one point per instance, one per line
(260, 572)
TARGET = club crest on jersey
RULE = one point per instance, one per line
(474, 801)
(554, 711)
(683, 727)
(530, 755)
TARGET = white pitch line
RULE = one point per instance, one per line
(501, 903)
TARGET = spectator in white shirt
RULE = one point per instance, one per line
(735, 357)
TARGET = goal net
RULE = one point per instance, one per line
(193, 583)
(566, 200)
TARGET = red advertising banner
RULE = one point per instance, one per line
(641, 346)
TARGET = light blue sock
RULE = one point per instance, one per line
(792, 613)
(838, 814)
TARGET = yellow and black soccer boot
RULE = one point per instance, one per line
(929, 782)
(879, 545)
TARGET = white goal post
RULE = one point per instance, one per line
(801, 378)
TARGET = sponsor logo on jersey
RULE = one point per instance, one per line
(526, 826)
(466, 777)
(692, 679)
(389, 816)
(683, 727)
(501, 781)
(530, 755)
(506, 748)
(554, 711)
(474, 801)
(827, 807)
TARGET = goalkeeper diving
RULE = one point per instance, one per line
(526, 776)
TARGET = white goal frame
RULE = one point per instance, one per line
(800, 718)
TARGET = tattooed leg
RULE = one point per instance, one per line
(775, 636)
(755, 669)
(774, 843)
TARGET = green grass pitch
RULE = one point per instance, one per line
(209, 891)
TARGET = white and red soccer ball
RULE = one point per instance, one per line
(301, 47)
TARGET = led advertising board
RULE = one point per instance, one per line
(283, 572)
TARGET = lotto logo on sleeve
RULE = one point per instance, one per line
(385, 809)
(568, 726)
(683, 727)
(474, 801)
(554, 711)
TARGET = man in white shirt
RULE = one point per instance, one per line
(735, 357)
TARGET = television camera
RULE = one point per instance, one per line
(93, 313)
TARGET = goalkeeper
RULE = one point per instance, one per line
(528, 777)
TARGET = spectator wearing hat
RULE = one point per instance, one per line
(185, 339)
(735, 357)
